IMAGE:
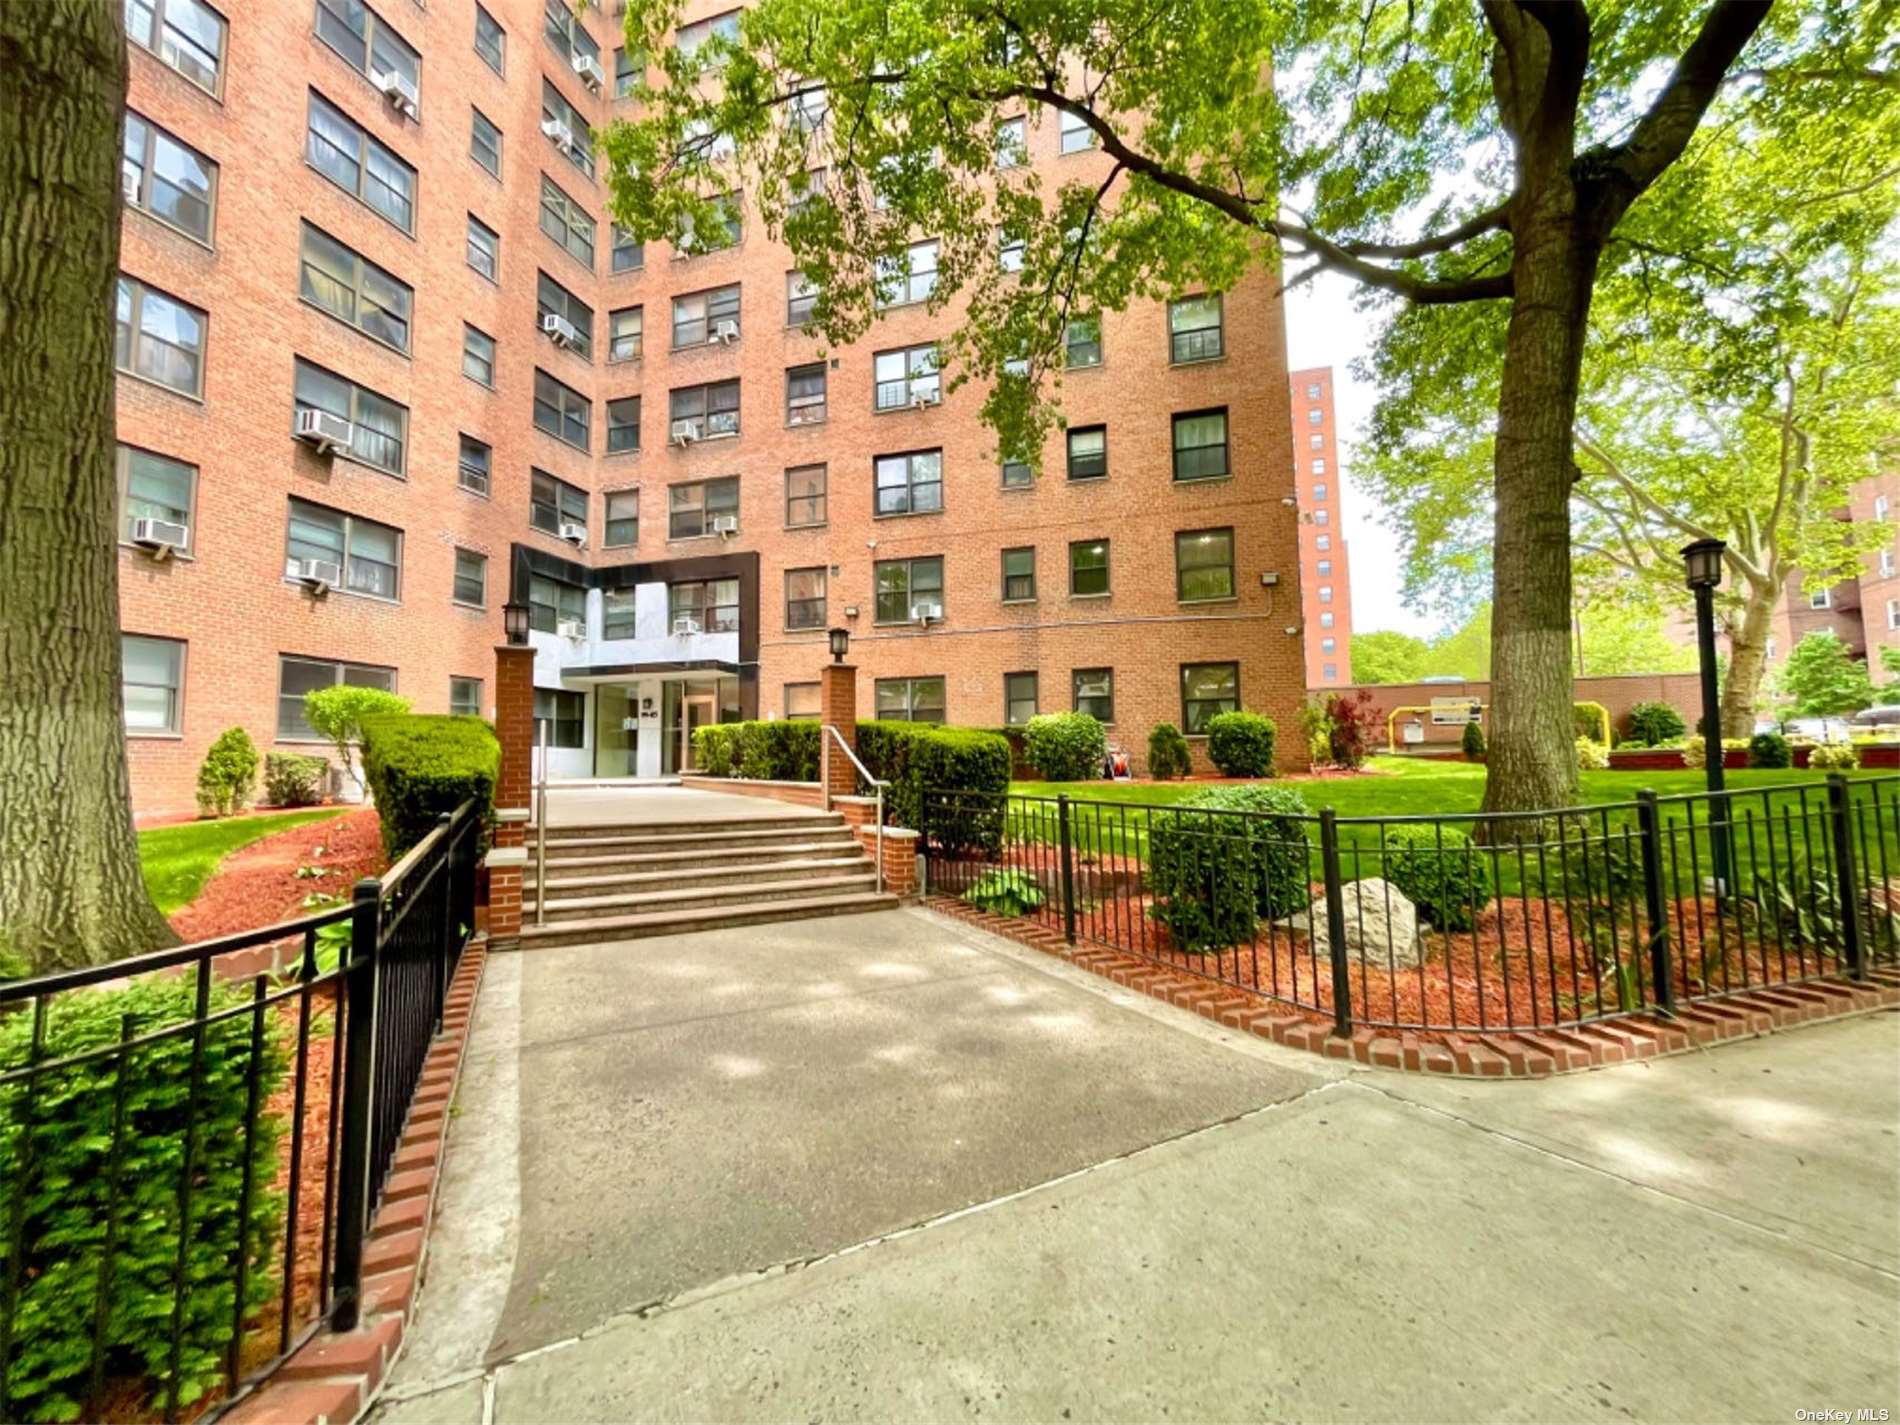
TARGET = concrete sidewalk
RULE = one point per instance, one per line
(893, 1168)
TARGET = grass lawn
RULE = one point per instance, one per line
(178, 860)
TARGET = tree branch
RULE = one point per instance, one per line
(1665, 130)
(1496, 219)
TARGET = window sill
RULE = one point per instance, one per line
(472, 493)
(189, 237)
(177, 556)
(196, 400)
(367, 336)
(363, 74)
(907, 515)
(613, 360)
(906, 408)
(620, 454)
(1084, 370)
(1018, 603)
(809, 421)
(1197, 361)
(1203, 479)
(566, 444)
(1090, 598)
(818, 524)
(471, 608)
(1086, 479)
(1201, 603)
(704, 440)
(579, 355)
(131, 736)
(357, 198)
(385, 601)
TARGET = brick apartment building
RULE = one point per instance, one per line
(1325, 578)
(387, 365)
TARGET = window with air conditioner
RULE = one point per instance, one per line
(906, 377)
(562, 412)
(484, 249)
(156, 498)
(338, 149)
(568, 37)
(623, 519)
(1019, 575)
(159, 338)
(552, 502)
(707, 412)
(700, 317)
(187, 35)
(368, 554)
(484, 142)
(623, 425)
(902, 585)
(366, 43)
(152, 685)
(805, 598)
(1088, 568)
(551, 299)
(1094, 693)
(805, 496)
(696, 507)
(167, 179)
(474, 466)
(553, 602)
(1204, 564)
(379, 433)
(478, 355)
(558, 117)
(910, 483)
(1200, 445)
(910, 699)
(471, 578)
(297, 676)
(805, 394)
(341, 281)
(567, 223)
(712, 604)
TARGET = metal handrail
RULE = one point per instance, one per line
(541, 833)
(877, 784)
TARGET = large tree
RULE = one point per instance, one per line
(70, 888)
(1439, 151)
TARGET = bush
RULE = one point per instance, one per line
(420, 765)
(1654, 725)
(338, 714)
(1348, 720)
(294, 780)
(1440, 872)
(228, 775)
(1215, 873)
(716, 748)
(1834, 757)
(1695, 752)
(1240, 744)
(74, 1193)
(915, 757)
(1065, 747)
(1168, 752)
(1006, 893)
(1472, 742)
(1592, 756)
(1769, 749)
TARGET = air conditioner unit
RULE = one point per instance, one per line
(725, 333)
(398, 90)
(559, 329)
(129, 185)
(685, 432)
(319, 576)
(571, 628)
(573, 533)
(159, 537)
(684, 626)
(921, 402)
(926, 612)
(562, 135)
(725, 526)
(589, 70)
(325, 431)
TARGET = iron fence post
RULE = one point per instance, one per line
(1068, 868)
(923, 842)
(359, 1070)
(1662, 987)
(1335, 919)
(1840, 817)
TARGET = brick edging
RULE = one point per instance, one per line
(1524, 1053)
(332, 1378)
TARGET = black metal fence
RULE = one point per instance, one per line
(1460, 922)
(189, 1161)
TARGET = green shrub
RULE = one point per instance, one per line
(1834, 757)
(1654, 724)
(294, 780)
(1472, 741)
(915, 757)
(74, 1194)
(228, 775)
(1225, 858)
(1440, 872)
(779, 750)
(1592, 756)
(716, 748)
(1065, 747)
(339, 713)
(420, 765)
(1168, 752)
(1769, 749)
(1695, 752)
(1587, 721)
(1006, 893)
(1241, 744)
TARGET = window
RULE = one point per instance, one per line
(555, 109)
(713, 604)
(154, 487)
(168, 179)
(623, 425)
(1088, 568)
(1328, 645)
(380, 428)
(478, 355)
(805, 496)
(1195, 330)
(1312, 390)
(1821, 599)
(910, 278)
(1095, 692)
(702, 144)
(563, 714)
(152, 684)
(159, 338)
(728, 231)
(1088, 452)
(567, 36)
(905, 586)
(1319, 490)
(1322, 516)
(1323, 541)
(370, 553)
(1323, 568)
(1204, 564)
(807, 108)
(1880, 507)
(1886, 563)
(484, 249)
(1082, 343)
(1019, 575)
(1893, 620)
(708, 411)
(552, 502)
(906, 377)
(1019, 698)
(623, 518)
(491, 43)
(1010, 250)
(619, 614)
(484, 142)
(1018, 476)
(185, 34)
(357, 164)
(471, 578)
(691, 509)
(805, 394)
(801, 295)
(465, 697)
(909, 484)
(474, 465)
(1077, 136)
(1319, 467)
(562, 412)
(1325, 593)
(805, 598)
(1012, 143)
(802, 702)
(1326, 619)
(630, 72)
(365, 41)
(1207, 690)
(624, 332)
(1200, 445)
(1314, 416)
(353, 289)
(910, 699)
(1316, 440)
(688, 38)
(297, 676)
(1769, 651)
(629, 253)
(554, 300)
(553, 602)
(567, 223)
(699, 317)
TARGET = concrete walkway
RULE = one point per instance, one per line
(891, 1168)
(648, 803)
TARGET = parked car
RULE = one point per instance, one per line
(1881, 717)
(1818, 729)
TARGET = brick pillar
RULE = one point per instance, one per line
(838, 705)
(514, 788)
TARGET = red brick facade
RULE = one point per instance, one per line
(1325, 576)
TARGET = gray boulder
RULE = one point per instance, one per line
(1381, 925)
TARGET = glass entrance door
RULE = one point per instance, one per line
(616, 731)
(702, 709)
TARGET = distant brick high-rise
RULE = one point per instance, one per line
(1325, 579)
(388, 365)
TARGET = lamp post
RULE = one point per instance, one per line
(514, 623)
(1702, 569)
(840, 643)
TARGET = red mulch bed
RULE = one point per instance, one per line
(259, 885)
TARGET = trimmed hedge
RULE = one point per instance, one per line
(918, 756)
(228, 775)
(420, 765)
(1471, 742)
(74, 1194)
(293, 780)
(1441, 872)
(1769, 749)
(1241, 744)
(1654, 725)
(1065, 747)
(1216, 874)
(1168, 754)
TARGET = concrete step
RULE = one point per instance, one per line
(609, 929)
(705, 840)
(769, 822)
(748, 855)
(775, 867)
(796, 887)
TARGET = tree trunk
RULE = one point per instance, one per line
(1747, 660)
(71, 892)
